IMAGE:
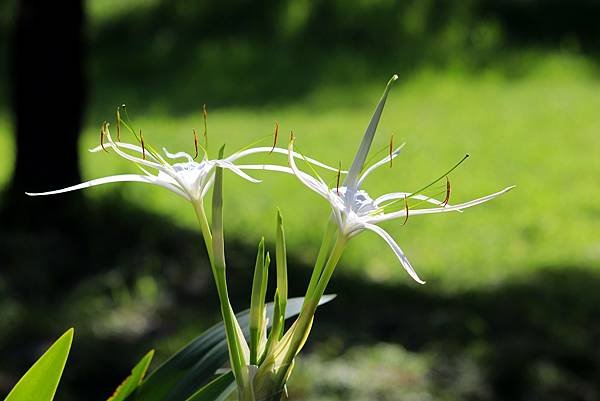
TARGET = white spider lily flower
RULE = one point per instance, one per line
(185, 176)
(354, 210)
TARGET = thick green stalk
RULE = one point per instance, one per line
(321, 258)
(205, 228)
(216, 255)
(235, 338)
(304, 321)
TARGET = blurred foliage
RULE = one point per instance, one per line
(511, 310)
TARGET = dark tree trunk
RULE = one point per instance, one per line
(48, 93)
(40, 235)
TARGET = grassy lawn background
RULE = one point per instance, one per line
(536, 130)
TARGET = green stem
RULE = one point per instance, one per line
(218, 270)
(321, 258)
(304, 321)
(206, 233)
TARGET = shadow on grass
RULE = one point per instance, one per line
(129, 281)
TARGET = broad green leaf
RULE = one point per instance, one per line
(41, 380)
(134, 379)
(217, 390)
(195, 364)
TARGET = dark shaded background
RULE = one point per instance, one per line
(62, 264)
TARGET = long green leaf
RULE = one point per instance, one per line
(257, 302)
(195, 364)
(41, 380)
(217, 390)
(134, 379)
(282, 282)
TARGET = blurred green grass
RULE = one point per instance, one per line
(537, 130)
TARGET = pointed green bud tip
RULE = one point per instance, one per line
(279, 218)
(221, 151)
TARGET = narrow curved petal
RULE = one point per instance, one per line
(125, 145)
(365, 144)
(396, 248)
(400, 195)
(270, 167)
(178, 155)
(232, 167)
(164, 168)
(380, 163)
(251, 151)
(207, 186)
(134, 159)
(306, 179)
(474, 202)
(112, 179)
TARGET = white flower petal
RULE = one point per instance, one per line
(270, 167)
(112, 179)
(232, 167)
(367, 140)
(205, 187)
(401, 195)
(263, 149)
(178, 155)
(124, 145)
(396, 248)
(306, 179)
(380, 163)
(145, 162)
(474, 202)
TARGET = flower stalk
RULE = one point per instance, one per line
(262, 366)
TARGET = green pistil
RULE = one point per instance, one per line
(431, 183)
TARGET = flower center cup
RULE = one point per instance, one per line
(361, 204)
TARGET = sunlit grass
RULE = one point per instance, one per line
(538, 131)
(7, 153)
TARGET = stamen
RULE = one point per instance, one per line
(205, 117)
(337, 183)
(447, 198)
(195, 143)
(143, 147)
(443, 175)
(292, 136)
(102, 133)
(391, 149)
(275, 136)
(118, 126)
(405, 209)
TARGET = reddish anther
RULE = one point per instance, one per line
(205, 117)
(275, 136)
(337, 183)
(391, 149)
(447, 198)
(102, 137)
(195, 143)
(405, 209)
(143, 147)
